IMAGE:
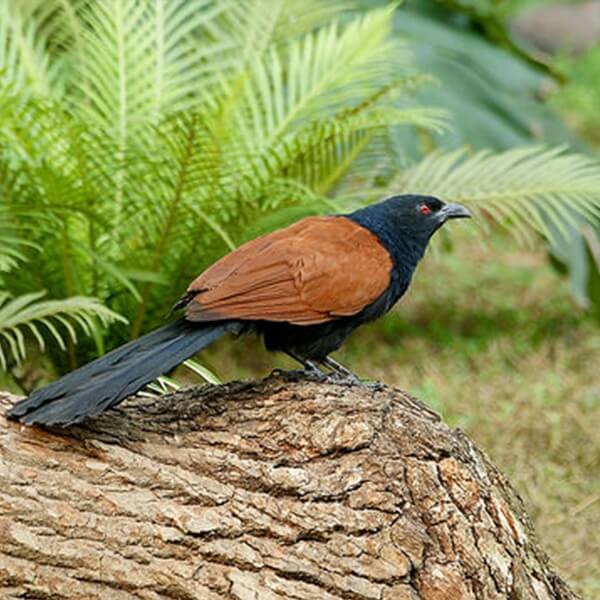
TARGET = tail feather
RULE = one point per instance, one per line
(110, 379)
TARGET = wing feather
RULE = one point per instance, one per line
(314, 271)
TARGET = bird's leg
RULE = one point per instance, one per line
(308, 365)
(340, 369)
(348, 377)
(334, 365)
(310, 368)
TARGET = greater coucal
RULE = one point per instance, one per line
(304, 288)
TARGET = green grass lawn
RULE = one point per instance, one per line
(491, 338)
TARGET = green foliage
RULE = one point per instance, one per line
(166, 385)
(150, 135)
(29, 315)
(580, 96)
(578, 100)
(491, 92)
(12, 243)
(140, 140)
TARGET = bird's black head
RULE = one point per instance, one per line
(420, 216)
(405, 223)
(411, 214)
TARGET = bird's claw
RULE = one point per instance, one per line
(300, 374)
(343, 378)
(334, 377)
(374, 386)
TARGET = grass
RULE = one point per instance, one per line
(491, 338)
(578, 99)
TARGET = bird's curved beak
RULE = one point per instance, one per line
(454, 211)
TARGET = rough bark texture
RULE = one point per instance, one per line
(263, 490)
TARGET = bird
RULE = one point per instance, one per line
(304, 288)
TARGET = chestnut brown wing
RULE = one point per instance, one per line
(314, 271)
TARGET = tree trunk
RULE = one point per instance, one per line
(263, 490)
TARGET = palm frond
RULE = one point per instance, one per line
(525, 189)
(29, 315)
(322, 153)
(139, 61)
(252, 24)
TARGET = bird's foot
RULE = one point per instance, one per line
(340, 374)
(348, 379)
(353, 380)
(333, 377)
(374, 386)
(301, 374)
(310, 371)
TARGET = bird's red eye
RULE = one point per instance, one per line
(424, 209)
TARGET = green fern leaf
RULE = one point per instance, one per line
(25, 62)
(30, 315)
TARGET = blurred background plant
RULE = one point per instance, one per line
(142, 139)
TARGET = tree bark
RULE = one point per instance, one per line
(263, 490)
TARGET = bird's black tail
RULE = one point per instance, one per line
(108, 380)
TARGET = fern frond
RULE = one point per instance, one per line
(291, 106)
(301, 16)
(25, 61)
(57, 21)
(258, 23)
(324, 71)
(141, 60)
(526, 189)
(13, 242)
(252, 25)
(324, 152)
(59, 319)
